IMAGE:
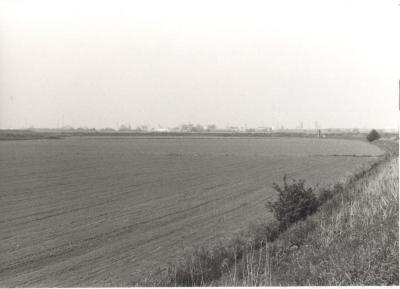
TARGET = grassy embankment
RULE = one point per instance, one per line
(351, 240)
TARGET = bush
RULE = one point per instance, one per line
(295, 202)
(328, 193)
(373, 135)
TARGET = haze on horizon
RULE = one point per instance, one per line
(255, 63)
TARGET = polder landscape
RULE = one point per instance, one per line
(192, 209)
(210, 143)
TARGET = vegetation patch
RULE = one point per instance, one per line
(295, 202)
(373, 135)
(346, 234)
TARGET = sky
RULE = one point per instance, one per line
(163, 63)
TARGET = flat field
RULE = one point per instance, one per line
(100, 211)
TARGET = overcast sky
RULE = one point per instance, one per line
(255, 63)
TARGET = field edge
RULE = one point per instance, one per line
(299, 256)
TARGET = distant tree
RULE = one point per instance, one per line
(125, 127)
(187, 127)
(107, 129)
(211, 127)
(197, 128)
(373, 135)
(142, 128)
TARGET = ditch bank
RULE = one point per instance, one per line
(352, 239)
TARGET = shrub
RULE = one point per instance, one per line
(294, 203)
(373, 135)
(328, 193)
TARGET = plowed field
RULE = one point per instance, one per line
(98, 211)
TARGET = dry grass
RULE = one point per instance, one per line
(351, 240)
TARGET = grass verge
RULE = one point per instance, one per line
(352, 240)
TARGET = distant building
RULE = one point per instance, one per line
(161, 129)
(264, 129)
(142, 128)
(233, 129)
(107, 129)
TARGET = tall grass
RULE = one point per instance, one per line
(351, 240)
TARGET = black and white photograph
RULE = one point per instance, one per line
(187, 143)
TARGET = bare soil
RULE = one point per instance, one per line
(98, 211)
